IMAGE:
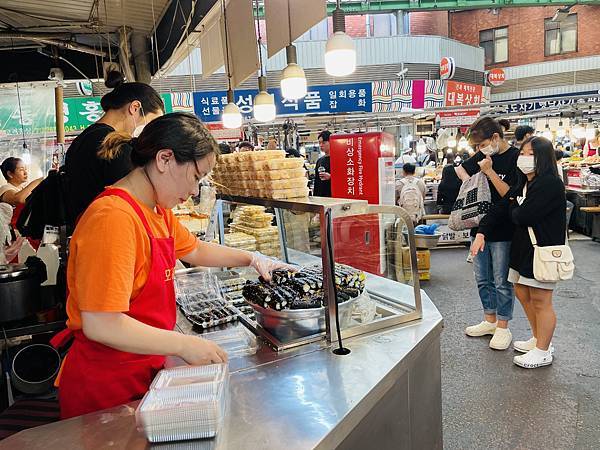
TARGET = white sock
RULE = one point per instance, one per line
(542, 352)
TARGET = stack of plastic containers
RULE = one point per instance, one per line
(184, 403)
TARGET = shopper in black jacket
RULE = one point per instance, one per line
(540, 203)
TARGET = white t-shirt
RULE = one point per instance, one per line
(11, 187)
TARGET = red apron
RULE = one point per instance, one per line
(95, 376)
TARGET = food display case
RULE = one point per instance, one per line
(315, 324)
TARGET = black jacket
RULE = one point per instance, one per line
(543, 209)
(448, 189)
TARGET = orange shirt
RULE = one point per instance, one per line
(109, 259)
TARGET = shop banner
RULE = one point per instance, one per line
(447, 68)
(536, 105)
(457, 118)
(221, 133)
(463, 94)
(496, 77)
(329, 99)
(407, 95)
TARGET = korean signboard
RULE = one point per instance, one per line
(351, 97)
(463, 94)
(457, 118)
(447, 68)
(496, 77)
(526, 105)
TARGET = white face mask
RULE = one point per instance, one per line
(489, 150)
(137, 129)
(526, 164)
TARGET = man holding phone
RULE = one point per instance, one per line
(322, 186)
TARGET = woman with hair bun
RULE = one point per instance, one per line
(497, 159)
(121, 303)
(127, 108)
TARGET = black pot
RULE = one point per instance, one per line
(34, 369)
(19, 292)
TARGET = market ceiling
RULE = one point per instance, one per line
(82, 36)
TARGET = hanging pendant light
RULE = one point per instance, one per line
(578, 130)
(340, 54)
(293, 80)
(547, 132)
(463, 144)
(264, 103)
(231, 117)
(560, 131)
(421, 146)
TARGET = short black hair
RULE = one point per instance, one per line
(246, 144)
(544, 155)
(409, 168)
(523, 130)
(224, 148)
(9, 165)
(325, 135)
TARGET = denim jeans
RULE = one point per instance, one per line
(491, 273)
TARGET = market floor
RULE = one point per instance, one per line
(488, 402)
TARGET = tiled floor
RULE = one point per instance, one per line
(488, 402)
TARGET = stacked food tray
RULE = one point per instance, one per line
(303, 289)
(242, 241)
(199, 297)
(232, 291)
(255, 222)
(264, 174)
(184, 403)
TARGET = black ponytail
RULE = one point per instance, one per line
(125, 93)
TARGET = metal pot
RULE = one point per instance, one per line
(34, 368)
(19, 292)
(290, 324)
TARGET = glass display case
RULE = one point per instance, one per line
(373, 247)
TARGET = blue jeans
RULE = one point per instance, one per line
(491, 273)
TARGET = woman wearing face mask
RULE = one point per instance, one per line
(497, 159)
(538, 202)
(126, 109)
(121, 303)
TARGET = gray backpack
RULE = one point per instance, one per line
(473, 202)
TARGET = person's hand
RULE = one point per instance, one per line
(478, 244)
(13, 249)
(486, 165)
(325, 176)
(265, 265)
(198, 352)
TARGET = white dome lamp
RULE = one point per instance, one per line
(578, 130)
(421, 146)
(547, 133)
(560, 131)
(452, 141)
(590, 130)
(264, 103)
(340, 54)
(463, 144)
(293, 79)
(231, 117)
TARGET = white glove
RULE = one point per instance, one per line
(13, 249)
(265, 265)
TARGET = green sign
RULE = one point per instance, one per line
(37, 113)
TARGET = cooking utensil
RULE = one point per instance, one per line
(34, 368)
(19, 292)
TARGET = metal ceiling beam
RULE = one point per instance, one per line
(382, 6)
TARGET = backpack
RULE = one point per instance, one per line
(473, 202)
(46, 205)
(411, 199)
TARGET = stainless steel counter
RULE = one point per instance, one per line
(385, 394)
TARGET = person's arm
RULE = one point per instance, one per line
(15, 198)
(538, 202)
(488, 222)
(487, 168)
(208, 254)
(470, 167)
(122, 332)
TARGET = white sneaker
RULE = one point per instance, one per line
(534, 358)
(481, 329)
(470, 258)
(525, 346)
(501, 339)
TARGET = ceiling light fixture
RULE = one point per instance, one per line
(264, 103)
(340, 54)
(231, 117)
(293, 79)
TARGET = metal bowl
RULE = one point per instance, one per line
(425, 240)
(291, 324)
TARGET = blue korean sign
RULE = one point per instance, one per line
(551, 101)
(330, 99)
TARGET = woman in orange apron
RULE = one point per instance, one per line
(121, 303)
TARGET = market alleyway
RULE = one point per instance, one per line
(488, 402)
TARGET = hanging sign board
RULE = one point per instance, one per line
(447, 68)
(496, 77)
(457, 118)
(463, 94)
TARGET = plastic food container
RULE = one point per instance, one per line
(184, 403)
